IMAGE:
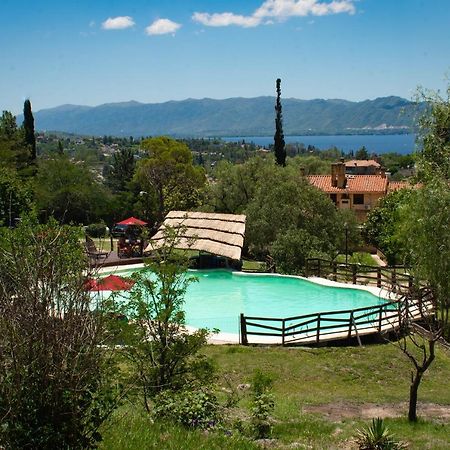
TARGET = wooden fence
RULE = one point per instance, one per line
(394, 278)
(318, 327)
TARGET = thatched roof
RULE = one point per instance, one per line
(219, 234)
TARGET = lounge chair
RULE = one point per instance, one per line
(92, 250)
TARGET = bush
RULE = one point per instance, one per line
(56, 384)
(291, 250)
(191, 408)
(377, 437)
(96, 230)
(262, 404)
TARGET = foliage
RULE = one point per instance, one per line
(279, 144)
(69, 192)
(235, 184)
(96, 230)
(284, 200)
(13, 151)
(377, 437)
(424, 229)
(15, 197)
(434, 135)
(196, 408)
(262, 404)
(362, 153)
(168, 176)
(55, 388)
(28, 127)
(291, 249)
(381, 225)
(122, 169)
(164, 355)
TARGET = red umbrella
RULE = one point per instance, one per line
(132, 221)
(109, 283)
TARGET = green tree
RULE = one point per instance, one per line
(13, 152)
(279, 144)
(69, 192)
(28, 126)
(424, 229)
(55, 384)
(381, 224)
(123, 165)
(362, 153)
(434, 136)
(15, 196)
(60, 148)
(235, 184)
(168, 176)
(285, 200)
(164, 355)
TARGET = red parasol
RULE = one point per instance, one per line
(132, 221)
(109, 283)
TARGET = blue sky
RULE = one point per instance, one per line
(98, 51)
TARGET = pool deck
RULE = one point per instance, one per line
(223, 338)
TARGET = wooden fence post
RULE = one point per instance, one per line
(334, 270)
(350, 322)
(318, 328)
(380, 319)
(283, 326)
(243, 330)
(393, 278)
(354, 273)
(378, 277)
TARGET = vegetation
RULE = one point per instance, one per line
(335, 393)
(28, 127)
(56, 385)
(164, 356)
(168, 177)
(280, 151)
(377, 437)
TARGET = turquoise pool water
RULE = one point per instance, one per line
(220, 296)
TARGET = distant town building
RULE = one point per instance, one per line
(363, 167)
(358, 192)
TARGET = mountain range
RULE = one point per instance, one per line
(231, 117)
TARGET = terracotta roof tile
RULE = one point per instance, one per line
(355, 183)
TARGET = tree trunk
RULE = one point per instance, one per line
(413, 389)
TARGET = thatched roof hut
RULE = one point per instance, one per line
(219, 234)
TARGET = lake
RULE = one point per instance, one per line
(377, 143)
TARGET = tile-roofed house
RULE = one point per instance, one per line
(363, 167)
(359, 193)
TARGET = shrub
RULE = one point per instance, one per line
(377, 437)
(96, 230)
(191, 408)
(262, 404)
(55, 384)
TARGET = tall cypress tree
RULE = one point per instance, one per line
(28, 126)
(279, 145)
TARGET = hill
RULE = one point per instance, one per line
(230, 117)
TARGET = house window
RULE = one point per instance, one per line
(333, 198)
(358, 199)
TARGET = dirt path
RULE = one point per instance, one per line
(339, 411)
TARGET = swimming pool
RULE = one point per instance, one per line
(220, 296)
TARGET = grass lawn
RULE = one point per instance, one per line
(321, 397)
(362, 258)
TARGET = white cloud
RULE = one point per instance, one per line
(225, 19)
(118, 23)
(162, 26)
(276, 9)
